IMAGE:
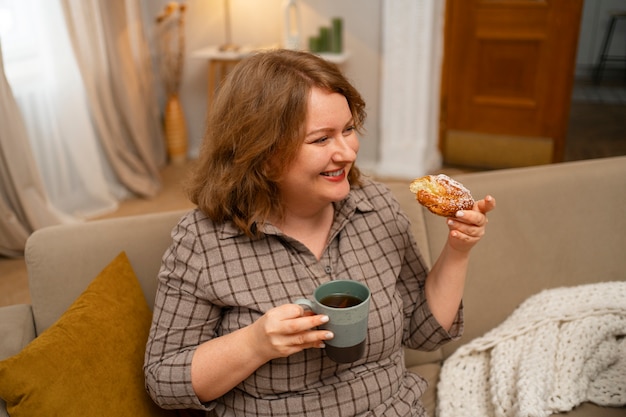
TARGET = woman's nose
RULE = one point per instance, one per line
(346, 148)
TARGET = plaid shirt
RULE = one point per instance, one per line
(215, 280)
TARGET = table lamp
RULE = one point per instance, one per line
(228, 45)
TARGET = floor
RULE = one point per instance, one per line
(597, 126)
(597, 129)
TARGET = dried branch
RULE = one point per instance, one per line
(170, 34)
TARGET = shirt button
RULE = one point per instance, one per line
(328, 269)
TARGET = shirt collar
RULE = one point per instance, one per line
(344, 210)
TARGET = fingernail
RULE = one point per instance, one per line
(329, 335)
(324, 319)
(450, 222)
(321, 345)
(460, 214)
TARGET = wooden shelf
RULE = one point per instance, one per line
(334, 57)
(221, 62)
(213, 53)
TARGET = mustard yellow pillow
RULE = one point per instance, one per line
(89, 363)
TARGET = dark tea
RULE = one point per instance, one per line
(343, 354)
(340, 300)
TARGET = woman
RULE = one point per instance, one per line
(281, 209)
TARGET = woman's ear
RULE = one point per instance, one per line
(271, 170)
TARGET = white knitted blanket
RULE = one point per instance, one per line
(559, 348)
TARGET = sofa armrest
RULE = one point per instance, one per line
(17, 329)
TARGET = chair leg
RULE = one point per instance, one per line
(604, 51)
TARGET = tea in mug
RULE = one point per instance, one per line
(341, 300)
(350, 353)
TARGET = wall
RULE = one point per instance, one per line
(593, 27)
(412, 55)
(259, 22)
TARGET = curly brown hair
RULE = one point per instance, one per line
(255, 128)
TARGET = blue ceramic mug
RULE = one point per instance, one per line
(346, 303)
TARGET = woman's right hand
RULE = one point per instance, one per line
(223, 362)
(288, 329)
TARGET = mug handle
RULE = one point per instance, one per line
(306, 304)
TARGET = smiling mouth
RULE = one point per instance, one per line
(333, 173)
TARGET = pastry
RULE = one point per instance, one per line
(441, 194)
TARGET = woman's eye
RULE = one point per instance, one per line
(322, 139)
(348, 130)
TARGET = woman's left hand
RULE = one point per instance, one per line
(468, 226)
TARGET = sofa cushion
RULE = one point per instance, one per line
(55, 281)
(554, 225)
(90, 362)
(430, 372)
(16, 329)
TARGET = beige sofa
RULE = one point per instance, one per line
(556, 225)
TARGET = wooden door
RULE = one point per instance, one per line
(507, 78)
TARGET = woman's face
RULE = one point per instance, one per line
(319, 174)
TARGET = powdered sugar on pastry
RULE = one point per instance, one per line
(441, 194)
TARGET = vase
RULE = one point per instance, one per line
(175, 130)
(292, 26)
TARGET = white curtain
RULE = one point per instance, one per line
(411, 75)
(24, 205)
(114, 60)
(47, 85)
(85, 133)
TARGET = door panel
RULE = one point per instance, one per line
(507, 77)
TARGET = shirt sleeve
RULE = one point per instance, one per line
(421, 331)
(183, 318)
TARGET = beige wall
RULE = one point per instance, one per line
(259, 22)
